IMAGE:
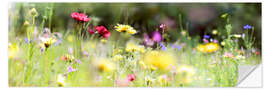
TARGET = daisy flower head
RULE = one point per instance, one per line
(125, 28)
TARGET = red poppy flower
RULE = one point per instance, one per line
(80, 17)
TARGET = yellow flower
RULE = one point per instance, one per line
(118, 57)
(26, 23)
(103, 40)
(125, 28)
(49, 41)
(224, 15)
(222, 43)
(60, 80)
(201, 48)
(237, 36)
(70, 38)
(185, 73)
(211, 47)
(105, 65)
(132, 31)
(214, 32)
(117, 51)
(131, 47)
(158, 59)
(33, 12)
(13, 49)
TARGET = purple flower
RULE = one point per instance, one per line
(206, 36)
(85, 53)
(178, 47)
(78, 61)
(163, 47)
(58, 42)
(247, 27)
(70, 69)
(27, 41)
(156, 36)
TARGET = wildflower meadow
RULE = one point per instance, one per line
(131, 44)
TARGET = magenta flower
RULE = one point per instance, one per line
(156, 36)
(215, 41)
(147, 40)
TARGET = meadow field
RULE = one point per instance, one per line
(131, 44)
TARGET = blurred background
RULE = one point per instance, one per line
(197, 18)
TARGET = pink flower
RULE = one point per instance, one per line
(230, 55)
(205, 40)
(80, 17)
(103, 31)
(257, 52)
(147, 40)
(215, 41)
(162, 26)
(131, 77)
